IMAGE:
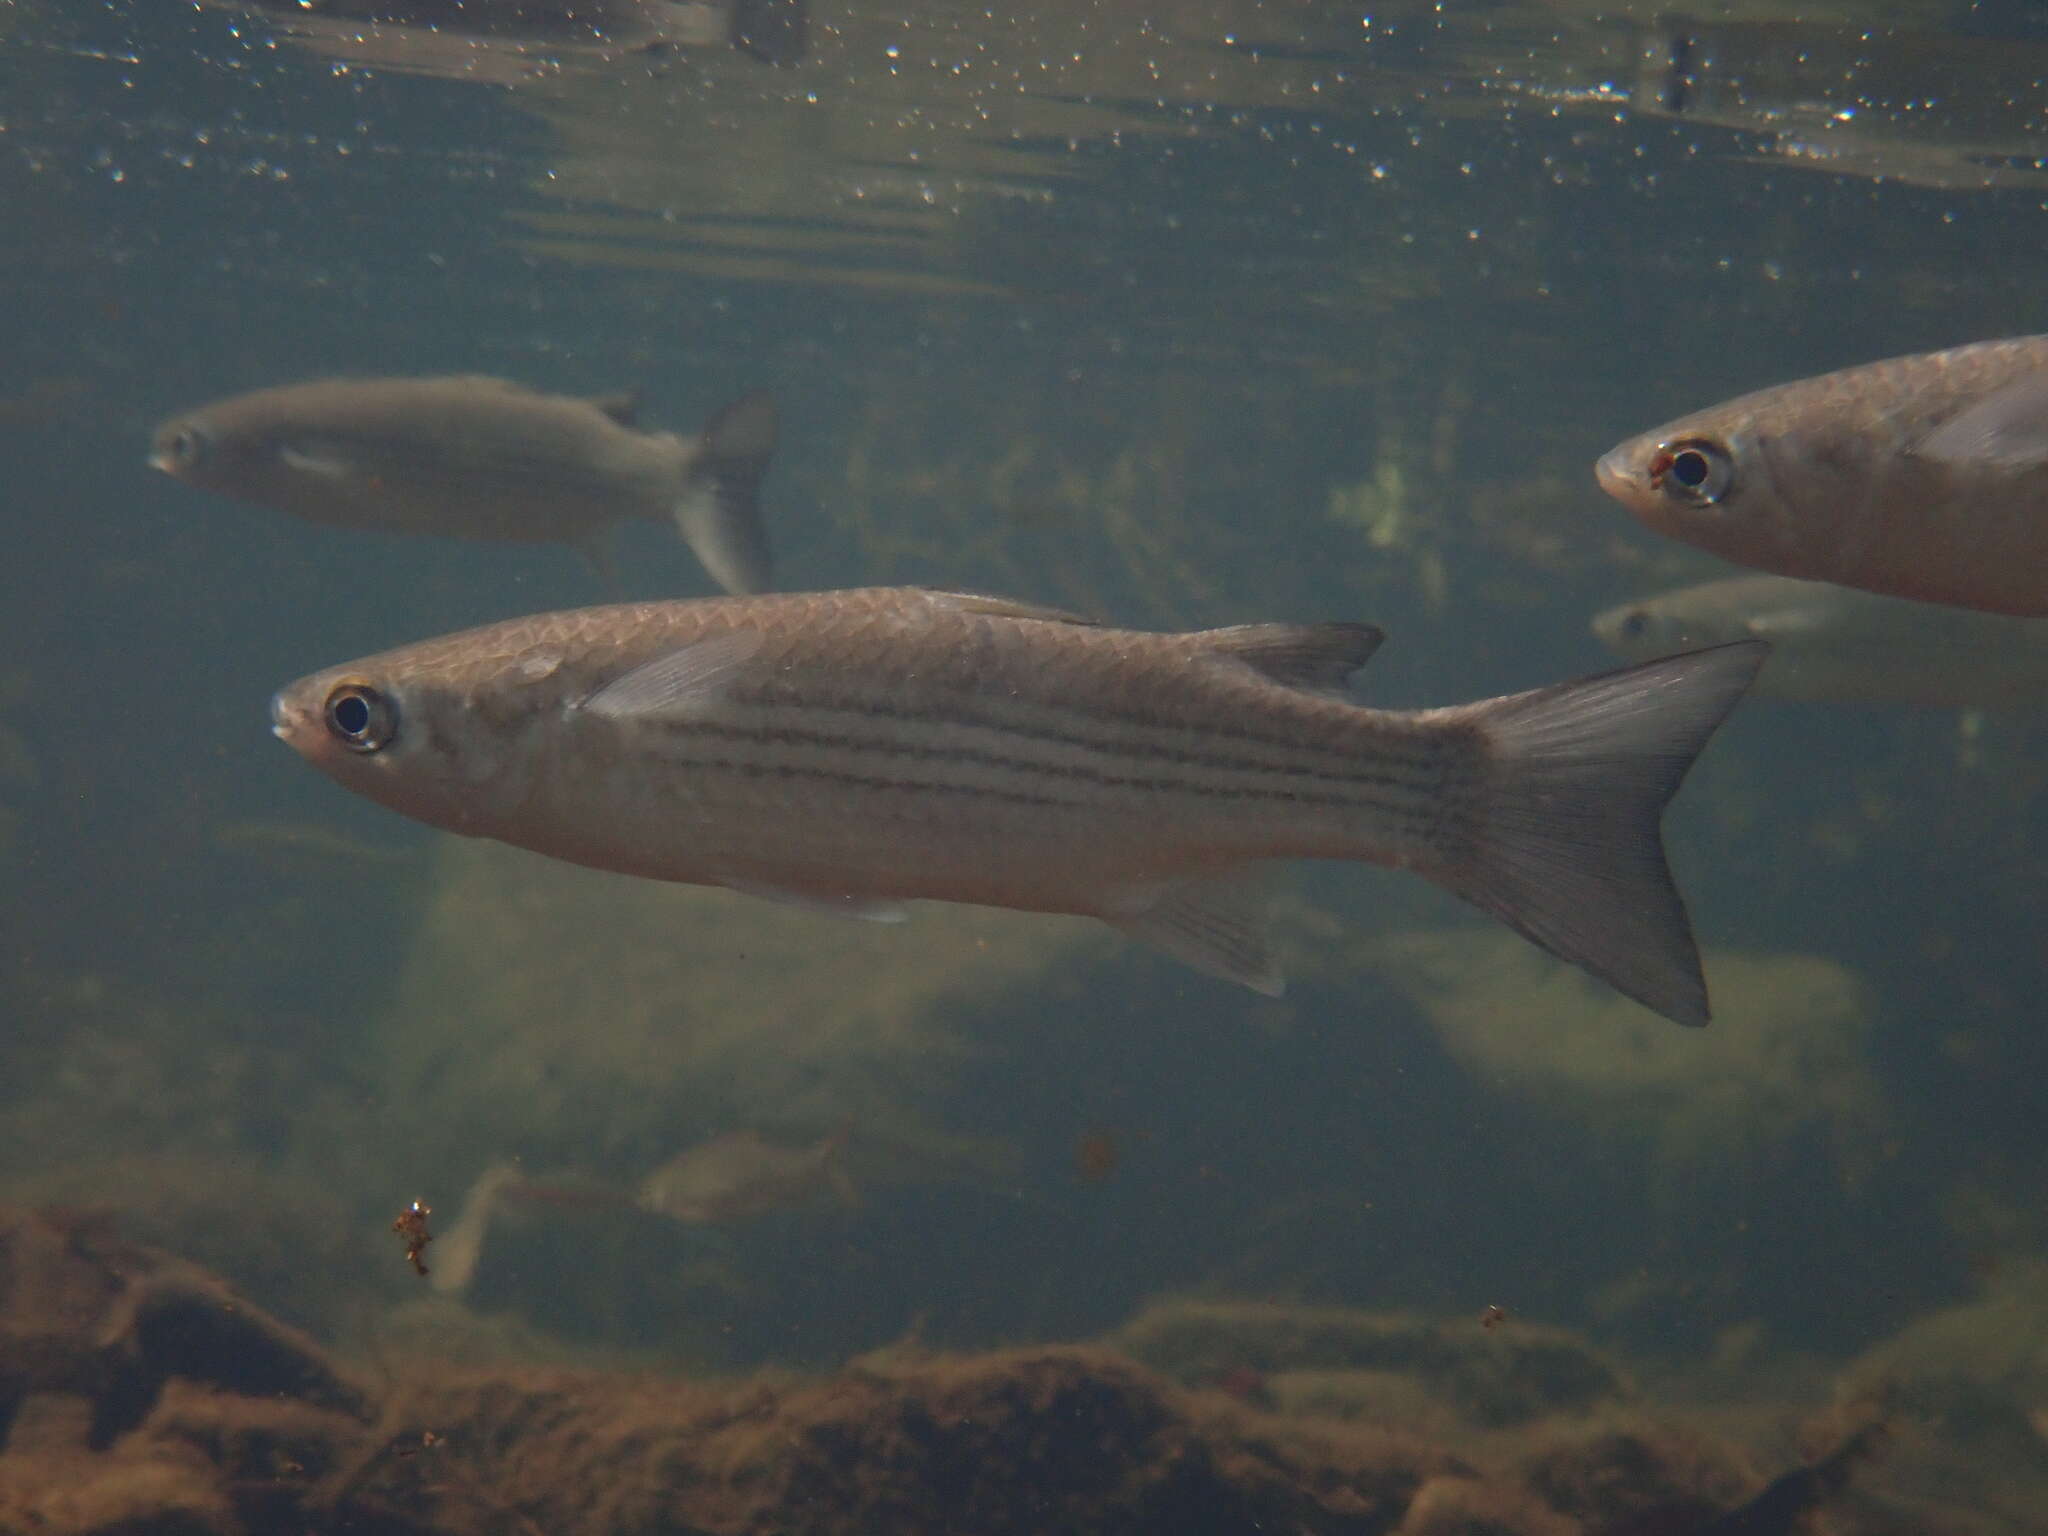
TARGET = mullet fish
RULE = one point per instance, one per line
(1923, 477)
(852, 750)
(743, 1174)
(483, 458)
(1832, 644)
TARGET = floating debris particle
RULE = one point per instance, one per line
(411, 1224)
(1096, 1155)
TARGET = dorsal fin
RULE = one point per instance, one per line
(1005, 607)
(622, 405)
(1318, 657)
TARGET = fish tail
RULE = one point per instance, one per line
(1568, 848)
(719, 510)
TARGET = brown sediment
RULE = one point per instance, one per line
(138, 1394)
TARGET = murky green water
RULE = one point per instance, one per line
(1193, 315)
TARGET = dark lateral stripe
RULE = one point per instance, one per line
(1358, 772)
(1032, 722)
(974, 757)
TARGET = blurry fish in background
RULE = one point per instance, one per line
(733, 1177)
(1922, 476)
(743, 1174)
(1852, 99)
(502, 42)
(484, 458)
(1832, 644)
(1842, 98)
(849, 751)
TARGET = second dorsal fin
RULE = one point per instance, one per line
(1006, 607)
(1318, 657)
(623, 406)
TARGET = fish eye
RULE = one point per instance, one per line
(361, 718)
(1692, 469)
(188, 446)
(1634, 624)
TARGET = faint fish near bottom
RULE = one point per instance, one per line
(852, 750)
(742, 1174)
(1833, 644)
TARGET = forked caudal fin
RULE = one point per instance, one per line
(719, 511)
(1567, 849)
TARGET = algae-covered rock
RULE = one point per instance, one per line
(1069, 1439)
(280, 1237)
(1969, 1387)
(138, 1393)
(1784, 1056)
(1338, 1362)
(89, 1315)
(574, 1016)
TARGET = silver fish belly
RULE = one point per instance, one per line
(854, 750)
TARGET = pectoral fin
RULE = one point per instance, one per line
(679, 683)
(320, 459)
(2006, 430)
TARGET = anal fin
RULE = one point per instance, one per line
(832, 903)
(1216, 925)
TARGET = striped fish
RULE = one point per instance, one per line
(853, 750)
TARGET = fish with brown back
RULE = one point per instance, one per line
(848, 751)
(1923, 476)
(484, 458)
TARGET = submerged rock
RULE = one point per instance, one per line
(1342, 1363)
(1785, 1055)
(140, 1395)
(1969, 1387)
(577, 1016)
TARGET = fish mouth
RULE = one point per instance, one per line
(1612, 471)
(283, 718)
(159, 461)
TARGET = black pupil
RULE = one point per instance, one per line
(1689, 468)
(351, 714)
(1634, 625)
